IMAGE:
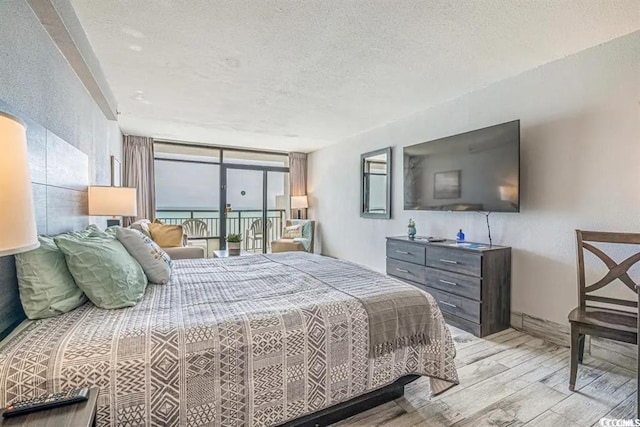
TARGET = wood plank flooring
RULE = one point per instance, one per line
(512, 379)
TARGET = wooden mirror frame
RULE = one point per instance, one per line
(363, 157)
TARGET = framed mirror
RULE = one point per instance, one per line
(375, 184)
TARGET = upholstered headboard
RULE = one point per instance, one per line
(59, 177)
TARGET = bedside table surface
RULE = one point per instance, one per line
(75, 415)
(225, 254)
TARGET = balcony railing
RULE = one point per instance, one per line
(238, 222)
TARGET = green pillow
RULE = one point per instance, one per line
(104, 270)
(45, 284)
(95, 231)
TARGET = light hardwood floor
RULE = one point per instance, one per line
(512, 379)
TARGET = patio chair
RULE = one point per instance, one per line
(196, 228)
(254, 234)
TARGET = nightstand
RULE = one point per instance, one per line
(75, 415)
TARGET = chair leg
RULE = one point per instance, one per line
(573, 373)
(581, 340)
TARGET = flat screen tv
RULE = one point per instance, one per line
(473, 171)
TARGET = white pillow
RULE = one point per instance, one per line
(154, 261)
(142, 226)
(292, 232)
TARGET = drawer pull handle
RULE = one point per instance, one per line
(402, 252)
(449, 304)
(448, 261)
(403, 270)
(448, 282)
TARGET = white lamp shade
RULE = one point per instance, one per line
(112, 201)
(299, 202)
(17, 219)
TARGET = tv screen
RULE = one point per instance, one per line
(473, 171)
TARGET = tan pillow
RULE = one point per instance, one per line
(292, 232)
(166, 236)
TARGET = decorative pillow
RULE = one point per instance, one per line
(104, 270)
(154, 261)
(306, 226)
(45, 284)
(292, 232)
(166, 236)
(142, 226)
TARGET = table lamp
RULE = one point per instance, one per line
(112, 201)
(17, 218)
(299, 202)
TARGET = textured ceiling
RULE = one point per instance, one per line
(300, 75)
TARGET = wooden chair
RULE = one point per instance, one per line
(601, 321)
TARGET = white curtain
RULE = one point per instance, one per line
(138, 165)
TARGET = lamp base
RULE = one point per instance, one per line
(112, 222)
(299, 213)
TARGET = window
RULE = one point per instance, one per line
(188, 190)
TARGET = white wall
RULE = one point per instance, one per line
(37, 80)
(580, 154)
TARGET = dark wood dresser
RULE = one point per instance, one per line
(471, 284)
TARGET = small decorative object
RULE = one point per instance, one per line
(460, 236)
(411, 228)
(234, 242)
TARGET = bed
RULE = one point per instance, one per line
(259, 340)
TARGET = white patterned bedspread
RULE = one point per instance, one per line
(255, 340)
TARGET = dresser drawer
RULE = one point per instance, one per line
(456, 305)
(455, 260)
(461, 323)
(406, 252)
(406, 270)
(455, 283)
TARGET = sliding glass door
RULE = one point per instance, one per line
(195, 183)
(255, 204)
(244, 207)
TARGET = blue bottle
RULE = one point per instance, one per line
(460, 236)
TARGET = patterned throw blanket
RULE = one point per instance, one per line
(254, 340)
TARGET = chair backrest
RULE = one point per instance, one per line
(313, 231)
(257, 228)
(616, 270)
(195, 228)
